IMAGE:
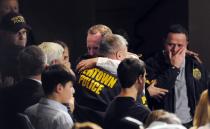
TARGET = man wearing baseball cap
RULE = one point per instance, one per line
(13, 28)
(13, 38)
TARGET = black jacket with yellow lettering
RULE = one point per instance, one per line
(159, 68)
(94, 90)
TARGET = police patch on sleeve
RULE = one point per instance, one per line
(197, 73)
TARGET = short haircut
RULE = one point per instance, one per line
(53, 75)
(102, 29)
(86, 125)
(53, 51)
(64, 45)
(161, 115)
(31, 61)
(110, 44)
(129, 70)
(177, 28)
(169, 118)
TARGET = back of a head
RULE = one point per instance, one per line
(202, 111)
(166, 120)
(64, 45)
(163, 125)
(86, 125)
(102, 29)
(129, 70)
(131, 123)
(162, 116)
(53, 51)
(53, 75)
(31, 61)
(169, 118)
(153, 116)
(111, 44)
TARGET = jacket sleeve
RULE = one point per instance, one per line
(108, 64)
(165, 75)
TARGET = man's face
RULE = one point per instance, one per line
(67, 92)
(19, 38)
(93, 43)
(7, 6)
(175, 41)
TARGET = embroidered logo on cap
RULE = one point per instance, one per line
(18, 19)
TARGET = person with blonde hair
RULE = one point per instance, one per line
(86, 125)
(53, 51)
(202, 111)
(161, 115)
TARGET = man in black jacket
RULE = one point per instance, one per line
(179, 71)
(15, 99)
(131, 73)
(96, 87)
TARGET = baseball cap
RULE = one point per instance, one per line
(13, 22)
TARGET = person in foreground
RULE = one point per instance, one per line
(131, 73)
(50, 113)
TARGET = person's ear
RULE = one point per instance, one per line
(59, 88)
(141, 79)
(119, 55)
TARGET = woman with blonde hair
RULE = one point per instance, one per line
(202, 111)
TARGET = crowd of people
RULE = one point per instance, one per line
(111, 88)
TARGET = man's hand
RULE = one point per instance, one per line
(156, 92)
(86, 64)
(191, 53)
(195, 55)
(178, 58)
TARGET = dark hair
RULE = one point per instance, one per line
(129, 70)
(31, 61)
(177, 28)
(53, 75)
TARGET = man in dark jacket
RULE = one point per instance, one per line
(131, 73)
(15, 99)
(96, 87)
(179, 71)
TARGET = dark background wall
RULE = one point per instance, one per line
(199, 25)
(143, 22)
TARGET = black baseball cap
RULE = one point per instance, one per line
(13, 22)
